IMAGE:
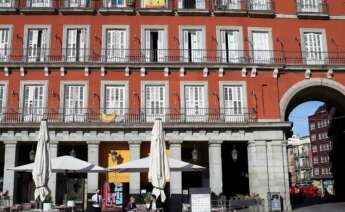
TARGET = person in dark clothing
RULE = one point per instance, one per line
(131, 206)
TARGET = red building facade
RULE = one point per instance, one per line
(221, 75)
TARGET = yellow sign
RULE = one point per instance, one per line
(154, 3)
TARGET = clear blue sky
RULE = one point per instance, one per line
(299, 117)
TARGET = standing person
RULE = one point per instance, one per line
(154, 205)
(131, 206)
(97, 201)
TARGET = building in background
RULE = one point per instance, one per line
(321, 146)
(299, 157)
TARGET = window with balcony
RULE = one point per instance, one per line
(114, 3)
(193, 45)
(155, 105)
(74, 102)
(34, 102)
(116, 45)
(3, 95)
(7, 3)
(312, 126)
(76, 44)
(37, 45)
(233, 103)
(115, 101)
(38, 3)
(316, 171)
(76, 3)
(154, 4)
(260, 5)
(195, 105)
(314, 148)
(191, 4)
(315, 160)
(310, 6)
(261, 46)
(229, 4)
(155, 45)
(314, 47)
(313, 137)
(230, 46)
(4, 44)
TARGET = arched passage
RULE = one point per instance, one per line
(333, 94)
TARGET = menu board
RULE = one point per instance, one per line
(200, 200)
(118, 193)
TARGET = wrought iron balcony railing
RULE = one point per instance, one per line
(125, 115)
(168, 56)
(234, 5)
(260, 5)
(39, 4)
(312, 7)
(8, 4)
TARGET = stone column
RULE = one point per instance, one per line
(92, 157)
(134, 178)
(215, 166)
(251, 165)
(175, 177)
(10, 160)
(52, 180)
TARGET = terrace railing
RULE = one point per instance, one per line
(127, 115)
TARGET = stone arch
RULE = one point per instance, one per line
(309, 89)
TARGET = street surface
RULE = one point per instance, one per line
(327, 207)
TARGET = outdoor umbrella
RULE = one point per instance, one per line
(65, 164)
(41, 169)
(159, 171)
(142, 165)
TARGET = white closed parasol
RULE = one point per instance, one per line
(41, 170)
(159, 171)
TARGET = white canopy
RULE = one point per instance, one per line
(65, 164)
(142, 165)
(42, 164)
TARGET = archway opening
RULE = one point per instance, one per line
(319, 164)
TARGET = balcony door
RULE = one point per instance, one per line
(34, 103)
(2, 100)
(195, 105)
(74, 103)
(76, 45)
(116, 46)
(37, 45)
(260, 5)
(155, 45)
(4, 44)
(261, 50)
(191, 4)
(311, 5)
(114, 3)
(230, 4)
(193, 46)
(115, 101)
(7, 3)
(230, 46)
(314, 48)
(155, 106)
(76, 3)
(38, 3)
(233, 103)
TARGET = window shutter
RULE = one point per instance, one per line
(200, 4)
(161, 46)
(71, 45)
(180, 4)
(122, 45)
(32, 45)
(185, 45)
(2, 98)
(82, 45)
(4, 42)
(233, 46)
(147, 45)
(43, 49)
(223, 47)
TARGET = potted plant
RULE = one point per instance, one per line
(47, 203)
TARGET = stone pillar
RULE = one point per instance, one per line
(215, 166)
(176, 176)
(286, 174)
(134, 178)
(52, 180)
(92, 157)
(10, 160)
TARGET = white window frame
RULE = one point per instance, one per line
(260, 5)
(38, 27)
(306, 7)
(109, 4)
(32, 117)
(38, 4)
(8, 27)
(201, 28)
(219, 30)
(104, 84)
(65, 40)
(5, 97)
(183, 84)
(180, 4)
(105, 28)
(64, 83)
(146, 51)
(228, 117)
(164, 83)
(324, 45)
(270, 54)
(142, 3)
